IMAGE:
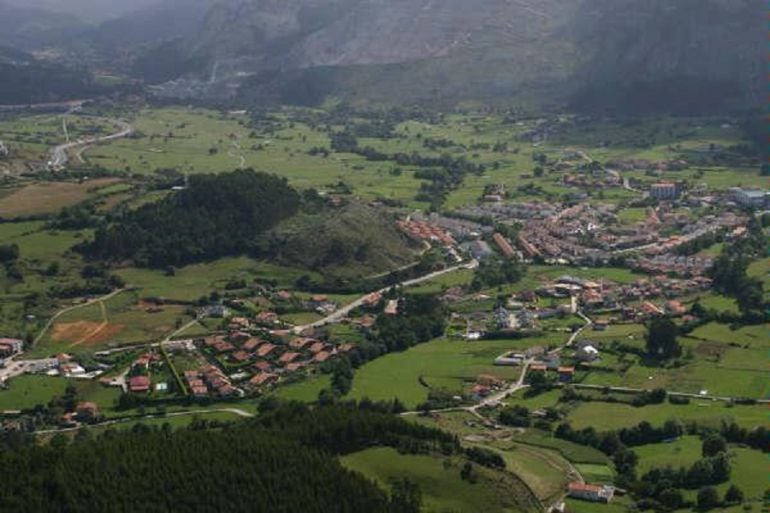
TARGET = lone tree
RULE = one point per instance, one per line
(734, 495)
(708, 498)
(713, 445)
(662, 339)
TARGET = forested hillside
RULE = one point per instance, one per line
(216, 216)
(283, 462)
(24, 80)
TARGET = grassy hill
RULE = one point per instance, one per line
(354, 241)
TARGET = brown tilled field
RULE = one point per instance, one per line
(84, 332)
(48, 197)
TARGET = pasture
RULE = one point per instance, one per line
(438, 479)
(40, 198)
(441, 364)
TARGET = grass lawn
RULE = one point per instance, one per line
(680, 453)
(720, 303)
(440, 363)
(726, 362)
(616, 506)
(30, 390)
(544, 471)
(438, 478)
(602, 474)
(578, 454)
(632, 215)
(306, 390)
(606, 416)
(191, 282)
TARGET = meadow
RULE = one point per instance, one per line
(438, 479)
(440, 364)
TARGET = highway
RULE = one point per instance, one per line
(58, 155)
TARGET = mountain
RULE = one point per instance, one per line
(537, 52)
(25, 80)
(28, 27)
(593, 55)
(689, 55)
(91, 11)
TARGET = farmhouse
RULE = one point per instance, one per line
(86, 411)
(139, 384)
(10, 346)
(589, 492)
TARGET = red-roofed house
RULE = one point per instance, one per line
(317, 347)
(288, 357)
(322, 356)
(263, 378)
(265, 350)
(139, 384)
(301, 342)
(241, 356)
(262, 365)
(267, 317)
(251, 344)
(589, 492)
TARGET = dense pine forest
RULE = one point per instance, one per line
(285, 461)
(215, 216)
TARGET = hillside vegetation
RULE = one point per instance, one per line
(216, 216)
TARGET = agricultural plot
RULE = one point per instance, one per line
(436, 364)
(49, 197)
(616, 416)
(191, 282)
(121, 320)
(438, 479)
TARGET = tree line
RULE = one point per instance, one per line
(283, 461)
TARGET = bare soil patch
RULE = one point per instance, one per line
(85, 332)
(48, 197)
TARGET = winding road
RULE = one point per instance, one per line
(58, 155)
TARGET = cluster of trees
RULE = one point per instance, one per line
(659, 488)
(284, 461)
(9, 256)
(661, 339)
(645, 398)
(493, 272)
(420, 318)
(731, 277)
(216, 216)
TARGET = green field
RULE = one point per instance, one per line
(545, 472)
(616, 416)
(306, 390)
(439, 480)
(681, 453)
(440, 363)
(191, 282)
(29, 391)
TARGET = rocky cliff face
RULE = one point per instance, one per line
(588, 52)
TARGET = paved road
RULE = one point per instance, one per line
(343, 312)
(58, 155)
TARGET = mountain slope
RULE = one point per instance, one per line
(596, 54)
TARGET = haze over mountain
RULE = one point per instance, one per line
(687, 55)
(86, 10)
